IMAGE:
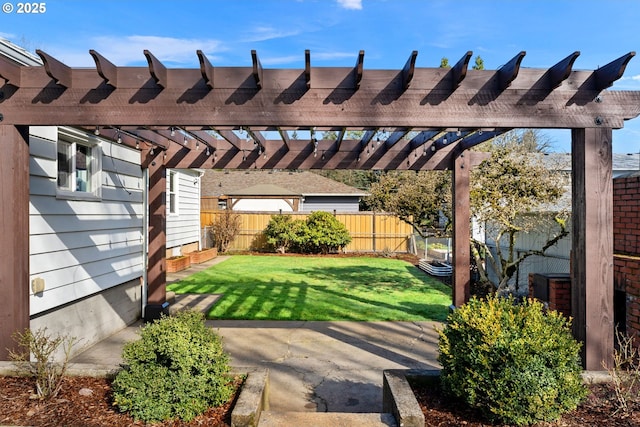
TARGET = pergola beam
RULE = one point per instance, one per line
(395, 136)
(358, 70)
(10, 72)
(62, 74)
(509, 71)
(105, 69)
(231, 138)
(307, 68)
(512, 109)
(459, 71)
(285, 137)
(562, 70)
(157, 69)
(408, 70)
(606, 75)
(423, 137)
(257, 69)
(206, 69)
(339, 138)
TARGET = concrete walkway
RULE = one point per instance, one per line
(314, 366)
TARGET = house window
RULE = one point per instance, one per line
(79, 165)
(173, 193)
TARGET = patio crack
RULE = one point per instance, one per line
(421, 333)
(322, 405)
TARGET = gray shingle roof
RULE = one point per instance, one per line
(263, 190)
(231, 182)
(621, 162)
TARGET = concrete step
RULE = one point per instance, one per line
(325, 419)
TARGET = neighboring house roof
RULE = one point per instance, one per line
(626, 162)
(18, 54)
(263, 190)
(622, 163)
(216, 183)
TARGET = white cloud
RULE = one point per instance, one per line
(350, 4)
(128, 50)
(299, 59)
(261, 34)
(628, 83)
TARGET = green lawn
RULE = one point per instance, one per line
(319, 288)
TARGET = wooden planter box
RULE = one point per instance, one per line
(204, 255)
(178, 263)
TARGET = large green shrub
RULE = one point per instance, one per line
(511, 360)
(283, 233)
(324, 233)
(177, 369)
(320, 233)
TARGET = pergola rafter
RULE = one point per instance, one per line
(426, 119)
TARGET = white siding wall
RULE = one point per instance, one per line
(262, 205)
(184, 226)
(331, 203)
(556, 261)
(77, 247)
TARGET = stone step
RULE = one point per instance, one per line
(325, 419)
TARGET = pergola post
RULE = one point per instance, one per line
(461, 231)
(156, 267)
(592, 255)
(14, 233)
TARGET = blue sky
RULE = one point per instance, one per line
(335, 30)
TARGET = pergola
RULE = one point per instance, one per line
(412, 119)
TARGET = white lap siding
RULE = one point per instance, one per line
(183, 225)
(79, 247)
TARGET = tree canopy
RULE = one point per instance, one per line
(420, 199)
(512, 193)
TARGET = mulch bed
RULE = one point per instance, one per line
(73, 408)
(597, 411)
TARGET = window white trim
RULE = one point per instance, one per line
(77, 141)
(173, 193)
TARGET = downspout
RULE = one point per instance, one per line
(199, 183)
(145, 239)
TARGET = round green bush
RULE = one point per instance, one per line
(511, 360)
(323, 234)
(177, 369)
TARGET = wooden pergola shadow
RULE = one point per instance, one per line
(413, 119)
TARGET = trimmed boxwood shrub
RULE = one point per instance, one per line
(320, 233)
(177, 369)
(511, 360)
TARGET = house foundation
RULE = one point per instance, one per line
(93, 318)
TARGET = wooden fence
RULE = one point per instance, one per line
(370, 231)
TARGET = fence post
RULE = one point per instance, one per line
(373, 231)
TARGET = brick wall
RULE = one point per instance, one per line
(557, 291)
(626, 216)
(626, 247)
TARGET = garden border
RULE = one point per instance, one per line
(253, 398)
